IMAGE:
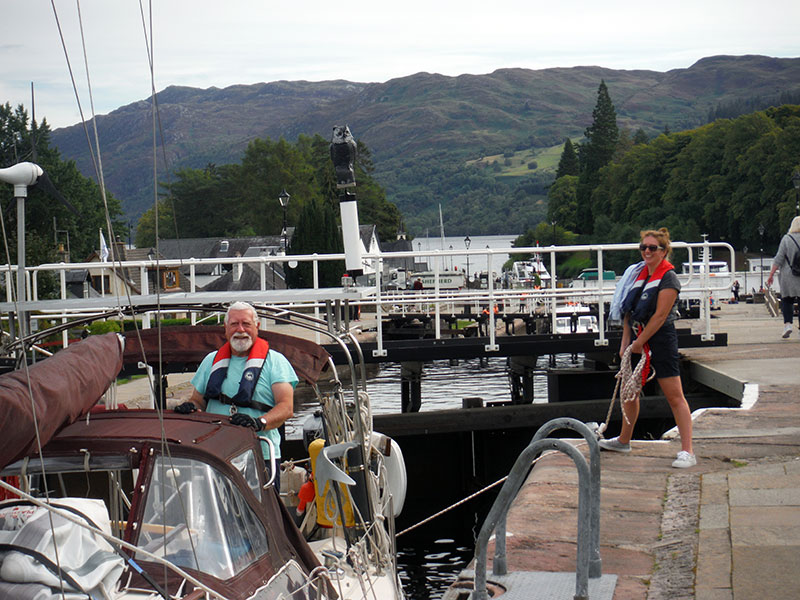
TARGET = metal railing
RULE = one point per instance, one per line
(588, 562)
(436, 300)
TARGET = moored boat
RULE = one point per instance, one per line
(529, 274)
(179, 506)
(574, 317)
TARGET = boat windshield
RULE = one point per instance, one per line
(247, 464)
(197, 518)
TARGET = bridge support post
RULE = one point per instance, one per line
(410, 386)
(521, 373)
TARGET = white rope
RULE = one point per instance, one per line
(628, 387)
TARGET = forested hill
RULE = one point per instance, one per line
(433, 138)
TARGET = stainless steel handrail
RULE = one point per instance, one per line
(507, 494)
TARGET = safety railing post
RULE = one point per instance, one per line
(492, 346)
(595, 562)
(601, 312)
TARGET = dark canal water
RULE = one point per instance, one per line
(431, 557)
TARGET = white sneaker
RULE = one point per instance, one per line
(614, 444)
(684, 460)
(787, 330)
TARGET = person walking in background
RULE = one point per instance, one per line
(788, 254)
(735, 290)
(649, 307)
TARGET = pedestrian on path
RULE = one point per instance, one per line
(788, 254)
(649, 314)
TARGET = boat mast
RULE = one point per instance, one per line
(441, 234)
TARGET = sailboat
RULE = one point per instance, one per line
(133, 504)
(106, 503)
(445, 279)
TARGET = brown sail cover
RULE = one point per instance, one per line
(63, 387)
(187, 344)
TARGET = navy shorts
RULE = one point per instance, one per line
(664, 352)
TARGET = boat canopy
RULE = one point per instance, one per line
(55, 392)
(190, 344)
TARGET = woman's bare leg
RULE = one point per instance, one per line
(673, 390)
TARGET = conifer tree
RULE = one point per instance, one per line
(316, 231)
(568, 164)
(640, 137)
(601, 142)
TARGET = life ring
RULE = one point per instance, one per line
(396, 476)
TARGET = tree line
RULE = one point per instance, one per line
(51, 228)
(240, 200)
(723, 179)
(215, 201)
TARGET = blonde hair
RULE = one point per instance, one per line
(662, 235)
(794, 227)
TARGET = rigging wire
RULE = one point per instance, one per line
(99, 172)
(474, 494)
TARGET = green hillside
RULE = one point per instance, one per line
(430, 135)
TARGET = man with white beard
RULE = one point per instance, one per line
(245, 379)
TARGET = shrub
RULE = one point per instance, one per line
(101, 327)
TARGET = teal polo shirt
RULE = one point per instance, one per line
(277, 369)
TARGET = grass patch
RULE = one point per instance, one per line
(516, 165)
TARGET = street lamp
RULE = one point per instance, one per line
(283, 198)
(761, 262)
(796, 182)
(451, 257)
(467, 242)
(746, 268)
(21, 176)
(554, 232)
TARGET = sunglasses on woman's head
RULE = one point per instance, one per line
(651, 247)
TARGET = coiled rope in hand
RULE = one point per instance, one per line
(629, 383)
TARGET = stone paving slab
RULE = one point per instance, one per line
(765, 572)
(788, 496)
(747, 517)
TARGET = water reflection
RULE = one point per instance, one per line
(427, 569)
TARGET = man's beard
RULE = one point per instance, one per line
(241, 343)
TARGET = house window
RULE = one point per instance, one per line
(101, 283)
(170, 279)
(223, 246)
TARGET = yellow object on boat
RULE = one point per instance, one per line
(325, 503)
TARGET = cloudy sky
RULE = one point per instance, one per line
(204, 43)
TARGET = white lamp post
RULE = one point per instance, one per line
(283, 198)
(21, 176)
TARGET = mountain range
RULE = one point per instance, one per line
(417, 123)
